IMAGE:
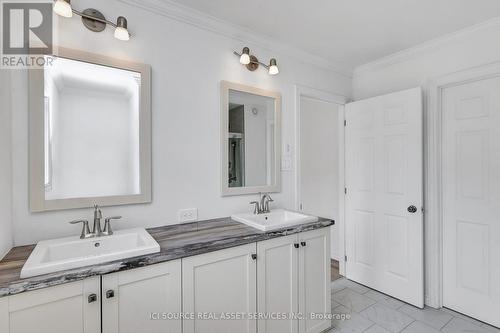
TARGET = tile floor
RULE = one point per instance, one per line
(369, 311)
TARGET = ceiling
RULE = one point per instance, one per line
(350, 32)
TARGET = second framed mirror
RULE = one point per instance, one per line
(250, 139)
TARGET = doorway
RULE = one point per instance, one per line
(319, 145)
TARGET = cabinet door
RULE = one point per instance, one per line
(277, 283)
(72, 307)
(314, 279)
(216, 283)
(142, 299)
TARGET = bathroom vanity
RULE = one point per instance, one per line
(220, 275)
(211, 276)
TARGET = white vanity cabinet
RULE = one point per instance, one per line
(230, 290)
(137, 300)
(314, 279)
(220, 282)
(293, 276)
(73, 307)
(278, 283)
(142, 299)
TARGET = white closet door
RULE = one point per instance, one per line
(471, 197)
(384, 220)
(319, 162)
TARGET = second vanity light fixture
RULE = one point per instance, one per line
(93, 19)
(252, 63)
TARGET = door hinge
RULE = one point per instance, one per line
(345, 190)
(345, 258)
(300, 206)
(345, 122)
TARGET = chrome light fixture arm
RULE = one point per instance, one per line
(93, 19)
(252, 63)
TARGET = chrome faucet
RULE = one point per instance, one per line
(96, 229)
(264, 203)
(262, 206)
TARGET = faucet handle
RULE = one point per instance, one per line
(85, 228)
(256, 208)
(107, 225)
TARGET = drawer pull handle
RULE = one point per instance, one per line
(110, 294)
(92, 298)
(303, 243)
(254, 256)
(296, 245)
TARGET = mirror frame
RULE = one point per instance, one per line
(224, 129)
(38, 202)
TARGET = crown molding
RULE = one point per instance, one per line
(206, 22)
(423, 48)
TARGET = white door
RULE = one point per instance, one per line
(314, 280)
(384, 218)
(471, 197)
(137, 300)
(277, 283)
(74, 307)
(319, 162)
(220, 282)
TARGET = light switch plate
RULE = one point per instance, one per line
(188, 215)
(286, 163)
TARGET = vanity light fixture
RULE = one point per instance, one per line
(273, 67)
(93, 19)
(245, 56)
(252, 63)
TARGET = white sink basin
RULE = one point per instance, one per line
(276, 219)
(72, 252)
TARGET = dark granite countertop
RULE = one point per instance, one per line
(176, 241)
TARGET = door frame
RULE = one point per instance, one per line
(433, 168)
(341, 100)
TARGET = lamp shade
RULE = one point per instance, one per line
(273, 67)
(63, 8)
(121, 31)
(245, 56)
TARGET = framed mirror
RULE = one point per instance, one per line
(250, 140)
(90, 132)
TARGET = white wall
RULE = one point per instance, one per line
(5, 166)
(187, 67)
(418, 66)
(414, 67)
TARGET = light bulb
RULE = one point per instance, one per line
(273, 67)
(245, 56)
(121, 31)
(63, 8)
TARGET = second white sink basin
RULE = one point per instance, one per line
(276, 219)
(72, 252)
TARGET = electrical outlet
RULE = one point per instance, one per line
(188, 215)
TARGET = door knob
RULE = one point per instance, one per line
(412, 209)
